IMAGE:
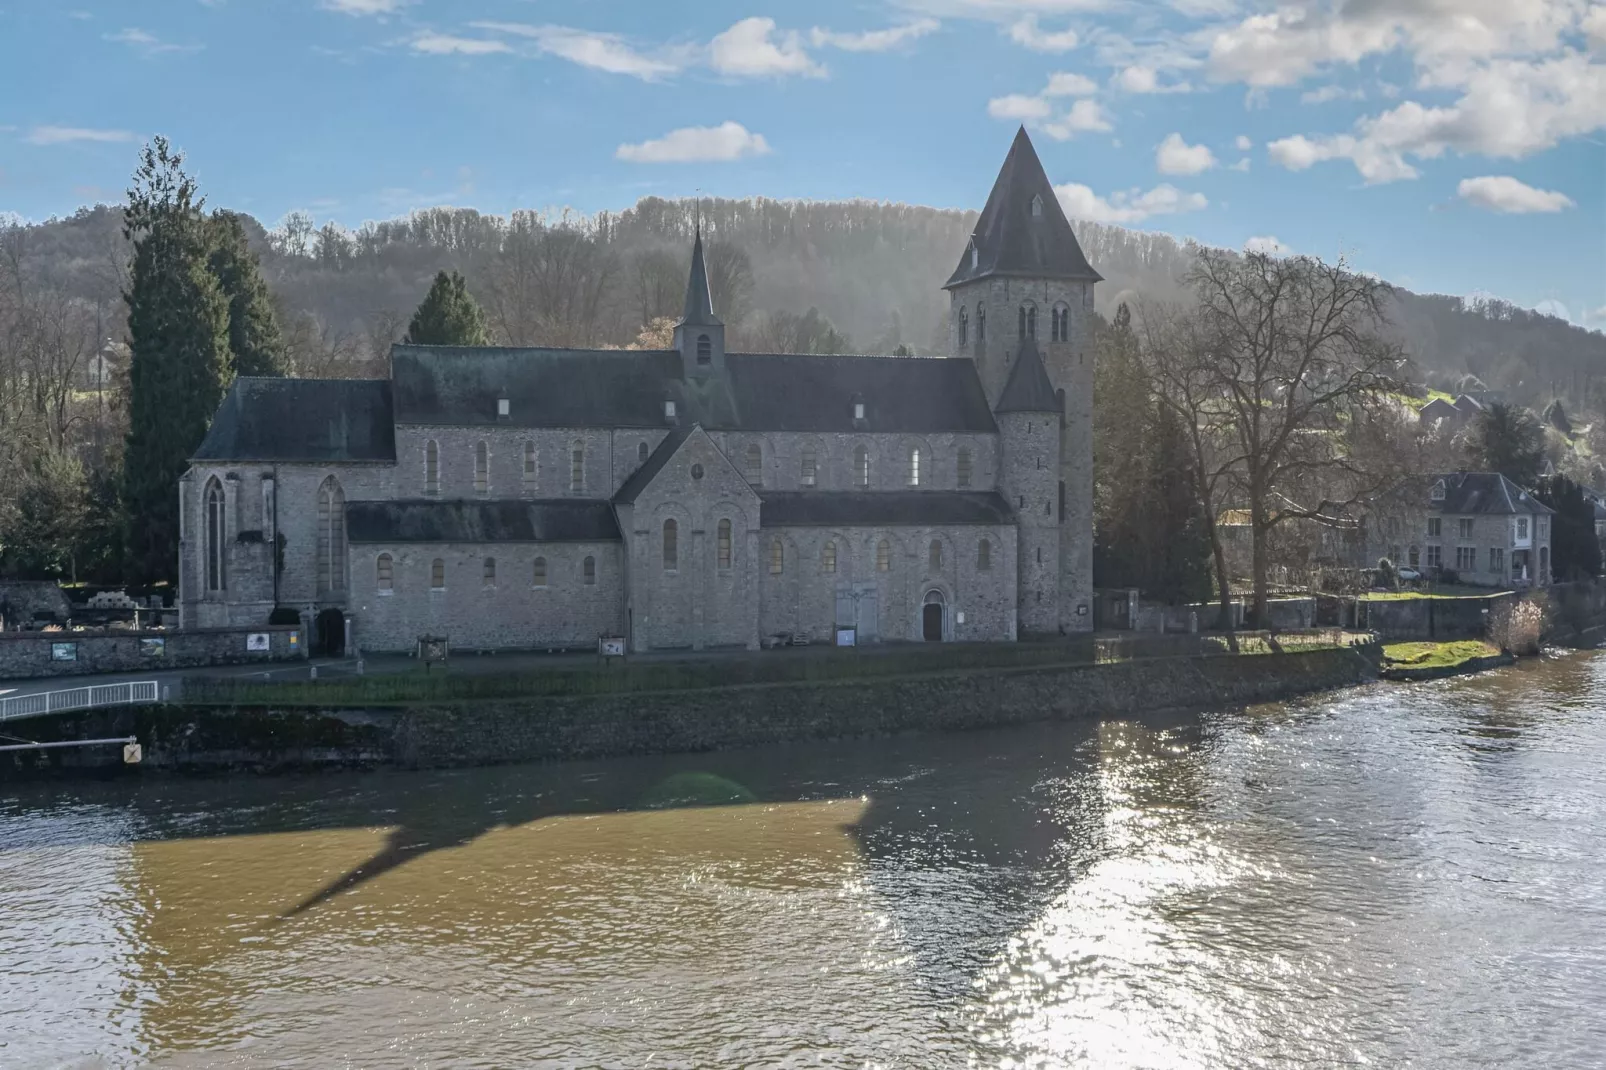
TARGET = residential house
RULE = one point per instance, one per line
(1488, 530)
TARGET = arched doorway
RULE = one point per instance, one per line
(329, 637)
(931, 617)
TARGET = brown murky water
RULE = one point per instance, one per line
(1388, 877)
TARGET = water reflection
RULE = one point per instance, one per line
(1391, 876)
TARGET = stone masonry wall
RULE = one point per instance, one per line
(25, 655)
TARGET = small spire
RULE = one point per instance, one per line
(699, 301)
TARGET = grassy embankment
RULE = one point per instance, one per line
(1436, 655)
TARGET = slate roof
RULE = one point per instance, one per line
(412, 521)
(444, 385)
(1009, 240)
(631, 488)
(699, 310)
(311, 420)
(883, 508)
(1028, 388)
(1486, 493)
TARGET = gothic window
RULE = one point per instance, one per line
(577, 467)
(216, 532)
(488, 576)
(1061, 330)
(777, 557)
(432, 467)
(964, 466)
(588, 571)
(984, 556)
(437, 575)
(981, 323)
(385, 574)
(755, 464)
(538, 573)
(705, 349)
(531, 467)
(641, 453)
(914, 467)
(883, 556)
(811, 469)
(482, 468)
(964, 328)
(828, 557)
(723, 543)
(331, 536)
(934, 555)
(861, 466)
(671, 546)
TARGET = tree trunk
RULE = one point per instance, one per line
(1224, 586)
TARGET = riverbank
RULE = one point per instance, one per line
(1405, 662)
(269, 737)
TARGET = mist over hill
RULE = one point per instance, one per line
(873, 271)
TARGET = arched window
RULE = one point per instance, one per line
(964, 466)
(217, 519)
(777, 557)
(538, 573)
(577, 467)
(331, 536)
(588, 571)
(705, 349)
(723, 544)
(984, 556)
(488, 573)
(964, 328)
(828, 557)
(385, 574)
(811, 468)
(755, 464)
(531, 467)
(482, 467)
(981, 323)
(1062, 324)
(437, 575)
(934, 555)
(861, 466)
(432, 467)
(671, 546)
(641, 453)
(914, 466)
(883, 556)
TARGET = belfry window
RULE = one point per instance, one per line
(482, 468)
(432, 467)
(385, 574)
(705, 349)
(531, 467)
(914, 467)
(577, 468)
(216, 531)
(861, 466)
(811, 469)
(964, 466)
(755, 464)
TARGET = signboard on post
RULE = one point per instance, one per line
(611, 646)
(63, 651)
(432, 649)
(847, 637)
(257, 642)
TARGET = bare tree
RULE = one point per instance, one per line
(658, 284)
(730, 280)
(1299, 362)
(547, 283)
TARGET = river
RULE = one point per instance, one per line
(1391, 876)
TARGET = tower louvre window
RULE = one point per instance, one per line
(883, 556)
(531, 467)
(577, 468)
(811, 471)
(914, 467)
(482, 468)
(385, 573)
(432, 467)
(437, 575)
(828, 557)
(964, 466)
(705, 349)
(755, 464)
(861, 466)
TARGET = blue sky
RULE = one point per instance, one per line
(1451, 146)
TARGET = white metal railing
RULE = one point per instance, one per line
(77, 698)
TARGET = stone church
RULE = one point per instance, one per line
(685, 498)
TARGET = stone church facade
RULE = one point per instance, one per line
(685, 498)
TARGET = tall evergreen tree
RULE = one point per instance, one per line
(254, 340)
(1574, 550)
(178, 328)
(1507, 439)
(448, 316)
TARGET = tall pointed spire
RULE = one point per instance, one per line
(699, 302)
(1022, 231)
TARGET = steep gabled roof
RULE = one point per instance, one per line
(307, 420)
(1010, 240)
(699, 309)
(916, 395)
(554, 520)
(854, 508)
(632, 487)
(1487, 493)
(1028, 388)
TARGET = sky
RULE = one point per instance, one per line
(1449, 146)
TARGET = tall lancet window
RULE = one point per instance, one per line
(331, 536)
(216, 532)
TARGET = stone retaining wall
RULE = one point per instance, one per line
(25, 655)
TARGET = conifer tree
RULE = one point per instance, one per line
(255, 344)
(178, 328)
(1507, 439)
(448, 316)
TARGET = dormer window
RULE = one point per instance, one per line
(975, 255)
(502, 407)
(1037, 205)
(858, 410)
(1438, 491)
(669, 410)
(705, 349)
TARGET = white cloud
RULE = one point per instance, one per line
(1265, 244)
(1502, 193)
(1328, 93)
(874, 40)
(1019, 106)
(748, 49)
(1025, 31)
(1175, 156)
(727, 141)
(1127, 206)
(62, 135)
(1552, 307)
(1141, 79)
(1593, 26)
(1242, 143)
(1597, 315)
(440, 44)
(147, 42)
(600, 51)
(1241, 165)
(363, 7)
(1085, 116)
(1066, 84)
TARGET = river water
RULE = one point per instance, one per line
(1392, 876)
